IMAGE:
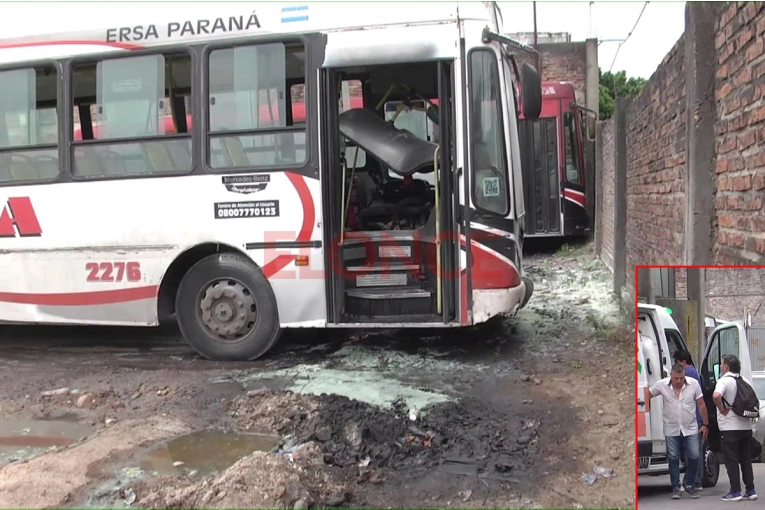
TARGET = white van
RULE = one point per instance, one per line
(658, 338)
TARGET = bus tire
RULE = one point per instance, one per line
(226, 309)
(711, 466)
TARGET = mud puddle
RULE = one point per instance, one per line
(203, 452)
(187, 457)
(24, 439)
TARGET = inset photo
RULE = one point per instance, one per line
(700, 384)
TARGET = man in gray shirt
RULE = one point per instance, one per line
(681, 395)
(736, 431)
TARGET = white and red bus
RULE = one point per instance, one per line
(552, 157)
(253, 171)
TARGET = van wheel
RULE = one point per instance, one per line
(226, 309)
(711, 467)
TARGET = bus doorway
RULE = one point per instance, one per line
(387, 198)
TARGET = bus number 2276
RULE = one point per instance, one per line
(113, 271)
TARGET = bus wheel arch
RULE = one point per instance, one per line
(171, 280)
(226, 308)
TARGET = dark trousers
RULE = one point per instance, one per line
(737, 449)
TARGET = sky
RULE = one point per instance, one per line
(660, 26)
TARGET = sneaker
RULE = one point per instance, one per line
(677, 494)
(692, 492)
(732, 496)
(699, 488)
(750, 495)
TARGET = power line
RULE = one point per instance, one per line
(627, 38)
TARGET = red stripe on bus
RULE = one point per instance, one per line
(31, 44)
(98, 297)
(575, 197)
(642, 425)
(306, 229)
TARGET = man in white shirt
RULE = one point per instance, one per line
(681, 396)
(736, 431)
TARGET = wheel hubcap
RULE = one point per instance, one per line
(709, 462)
(227, 309)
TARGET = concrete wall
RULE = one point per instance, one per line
(694, 148)
(542, 37)
(604, 202)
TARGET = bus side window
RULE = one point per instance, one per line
(119, 100)
(28, 125)
(248, 94)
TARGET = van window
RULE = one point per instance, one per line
(758, 385)
(675, 343)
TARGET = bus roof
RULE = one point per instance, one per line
(558, 90)
(218, 22)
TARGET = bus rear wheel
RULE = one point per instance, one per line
(226, 309)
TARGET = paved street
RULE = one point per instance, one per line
(654, 492)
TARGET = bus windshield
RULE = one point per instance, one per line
(572, 148)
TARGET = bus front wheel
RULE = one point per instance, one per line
(226, 309)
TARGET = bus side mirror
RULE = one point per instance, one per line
(531, 92)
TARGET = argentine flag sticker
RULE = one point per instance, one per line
(294, 13)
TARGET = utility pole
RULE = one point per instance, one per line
(696, 291)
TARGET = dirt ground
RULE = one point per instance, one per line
(520, 412)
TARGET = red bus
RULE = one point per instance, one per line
(552, 159)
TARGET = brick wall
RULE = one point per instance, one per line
(728, 291)
(605, 218)
(655, 156)
(725, 42)
(656, 167)
(562, 62)
(740, 131)
(566, 62)
(681, 283)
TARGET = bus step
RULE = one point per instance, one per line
(382, 268)
(388, 301)
(388, 293)
(399, 252)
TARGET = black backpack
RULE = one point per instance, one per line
(746, 404)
